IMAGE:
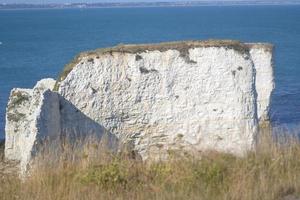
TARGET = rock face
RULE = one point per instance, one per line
(22, 119)
(190, 96)
(264, 82)
(196, 95)
(38, 116)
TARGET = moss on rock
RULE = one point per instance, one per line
(17, 97)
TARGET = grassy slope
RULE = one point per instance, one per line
(270, 173)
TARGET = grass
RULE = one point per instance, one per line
(271, 172)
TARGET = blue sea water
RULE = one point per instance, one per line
(37, 43)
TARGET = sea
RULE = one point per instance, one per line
(35, 44)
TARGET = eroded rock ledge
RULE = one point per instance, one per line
(187, 96)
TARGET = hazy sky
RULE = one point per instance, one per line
(92, 1)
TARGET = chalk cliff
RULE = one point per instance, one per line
(189, 96)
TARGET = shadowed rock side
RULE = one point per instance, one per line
(2, 144)
(76, 126)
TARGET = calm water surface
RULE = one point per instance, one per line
(35, 44)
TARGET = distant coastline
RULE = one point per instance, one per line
(5, 6)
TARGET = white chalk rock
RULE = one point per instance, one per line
(38, 116)
(262, 59)
(199, 95)
(21, 120)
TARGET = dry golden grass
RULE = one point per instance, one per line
(272, 172)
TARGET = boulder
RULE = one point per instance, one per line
(189, 96)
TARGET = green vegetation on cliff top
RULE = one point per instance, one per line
(181, 46)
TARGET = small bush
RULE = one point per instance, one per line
(110, 175)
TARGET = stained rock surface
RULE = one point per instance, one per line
(187, 96)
